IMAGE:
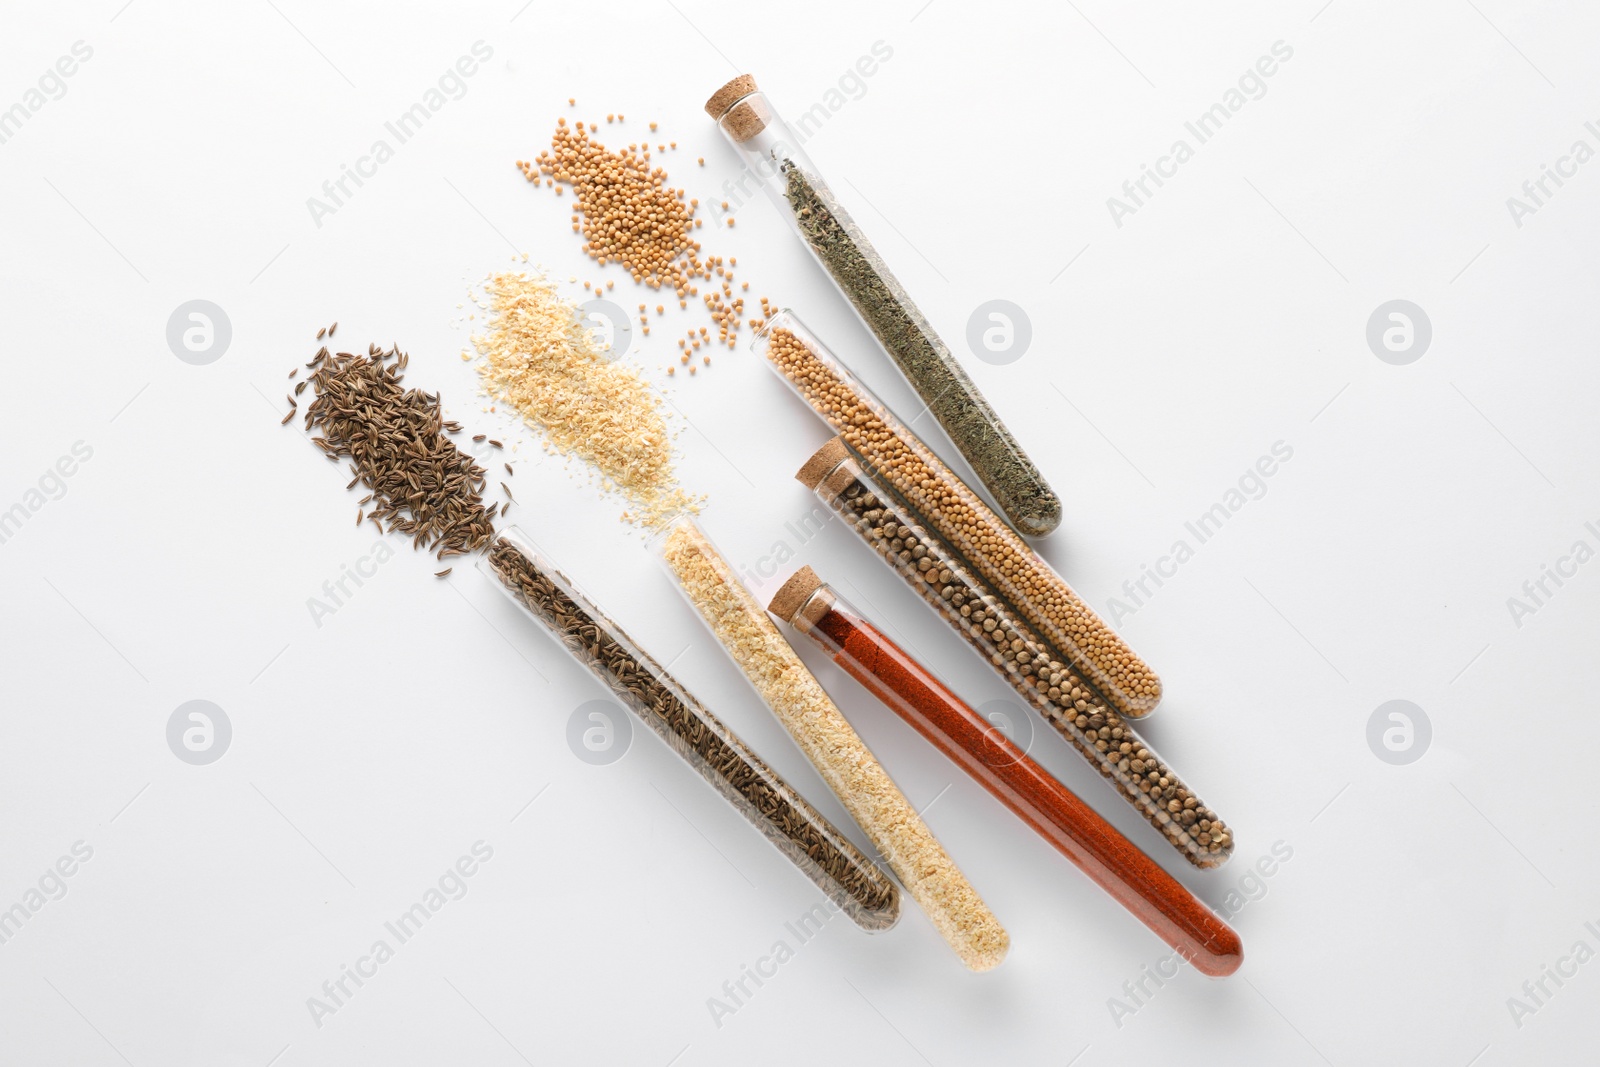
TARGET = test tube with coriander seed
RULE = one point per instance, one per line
(816, 611)
(771, 151)
(856, 885)
(827, 739)
(1028, 663)
(1010, 566)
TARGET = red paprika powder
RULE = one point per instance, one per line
(1005, 770)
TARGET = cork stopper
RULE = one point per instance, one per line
(824, 460)
(738, 116)
(795, 594)
(728, 95)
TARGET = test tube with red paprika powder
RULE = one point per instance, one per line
(1057, 814)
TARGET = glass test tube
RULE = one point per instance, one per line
(1011, 567)
(1054, 689)
(772, 152)
(914, 693)
(848, 878)
(828, 741)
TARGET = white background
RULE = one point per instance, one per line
(1227, 314)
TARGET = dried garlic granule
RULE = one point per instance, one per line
(832, 746)
(539, 357)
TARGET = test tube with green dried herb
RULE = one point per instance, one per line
(1009, 564)
(1027, 662)
(772, 151)
(852, 881)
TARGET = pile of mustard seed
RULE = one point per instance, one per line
(629, 214)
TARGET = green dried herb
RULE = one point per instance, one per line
(966, 416)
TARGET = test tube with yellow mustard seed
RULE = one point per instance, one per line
(945, 503)
(828, 740)
(774, 158)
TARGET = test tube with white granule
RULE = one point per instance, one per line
(827, 739)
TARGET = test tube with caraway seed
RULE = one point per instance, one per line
(1009, 564)
(1026, 789)
(847, 877)
(772, 152)
(1028, 663)
(826, 738)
